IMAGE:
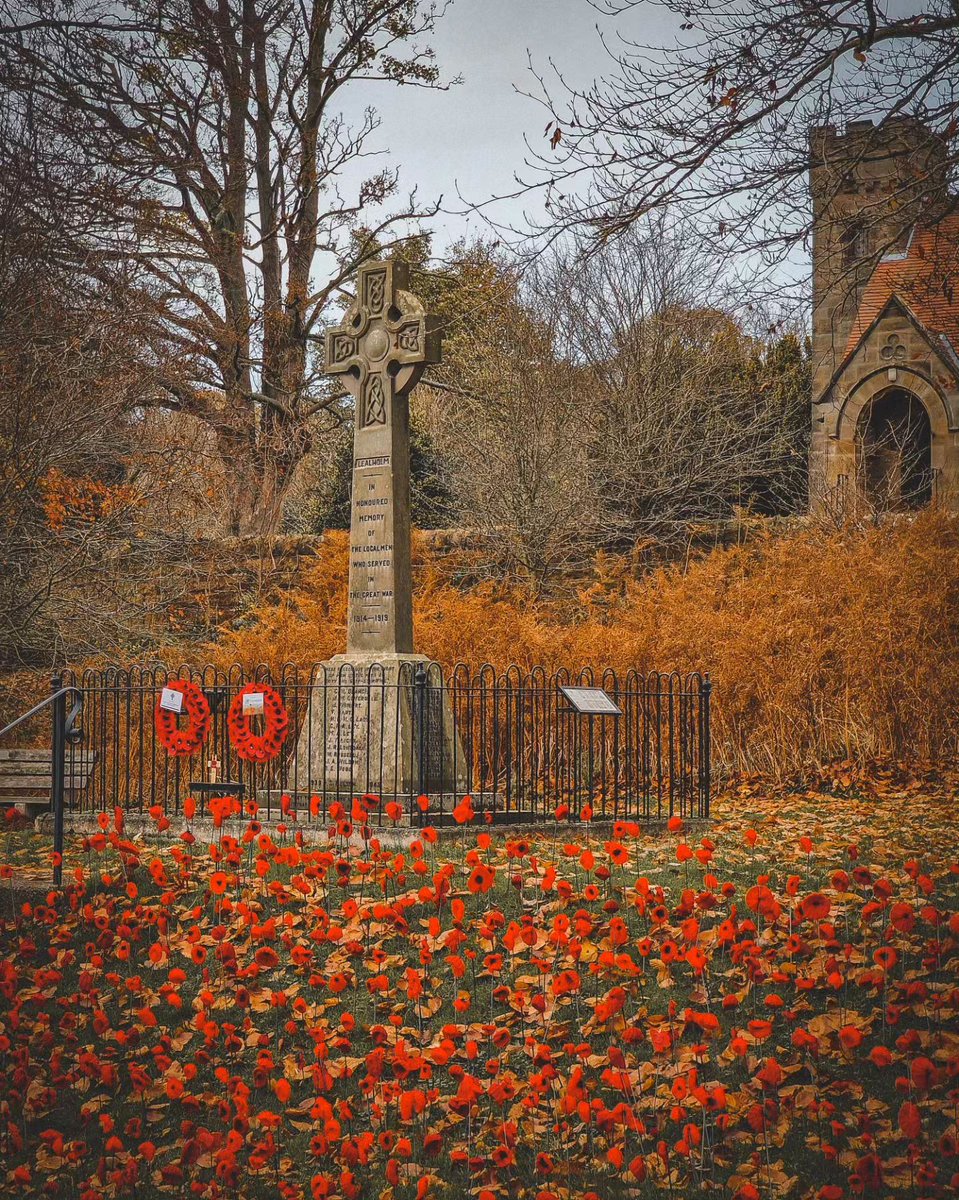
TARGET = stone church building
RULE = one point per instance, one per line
(885, 403)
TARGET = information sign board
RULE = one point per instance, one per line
(592, 701)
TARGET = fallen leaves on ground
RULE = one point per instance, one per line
(764, 1006)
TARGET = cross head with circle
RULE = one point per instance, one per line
(384, 344)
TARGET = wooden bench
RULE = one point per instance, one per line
(26, 778)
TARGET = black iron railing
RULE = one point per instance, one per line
(65, 735)
(507, 738)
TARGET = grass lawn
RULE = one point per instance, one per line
(767, 1006)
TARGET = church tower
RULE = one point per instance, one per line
(884, 363)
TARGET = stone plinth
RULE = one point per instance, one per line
(380, 724)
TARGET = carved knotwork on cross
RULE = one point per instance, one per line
(385, 343)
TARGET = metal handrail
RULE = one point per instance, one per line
(64, 729)
(74, 712)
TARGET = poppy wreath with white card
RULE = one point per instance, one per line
(180, 741)
(251, 746)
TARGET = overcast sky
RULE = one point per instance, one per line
(470, 138)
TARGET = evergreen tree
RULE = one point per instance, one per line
(782, 374)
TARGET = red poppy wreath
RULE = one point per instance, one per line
(258, 747)
(180, 741)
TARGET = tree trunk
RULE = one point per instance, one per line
(236, 445)
(258, 462)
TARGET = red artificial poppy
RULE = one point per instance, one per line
(910, 1121)
(924, 1074)
(758, 896)
(760, 1029)
(881, 1056)
(815, 907)
(503, 1156)
(726, 932)
(618, 853)
(869, 1171)
(463, 812)
(696, 959)
(481, 879)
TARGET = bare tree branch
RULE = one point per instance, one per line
(215, 147)
(718, 123)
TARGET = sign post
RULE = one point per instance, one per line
(591, 702)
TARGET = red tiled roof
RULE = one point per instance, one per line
(926, 279)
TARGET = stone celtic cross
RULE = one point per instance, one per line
(379, 352)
